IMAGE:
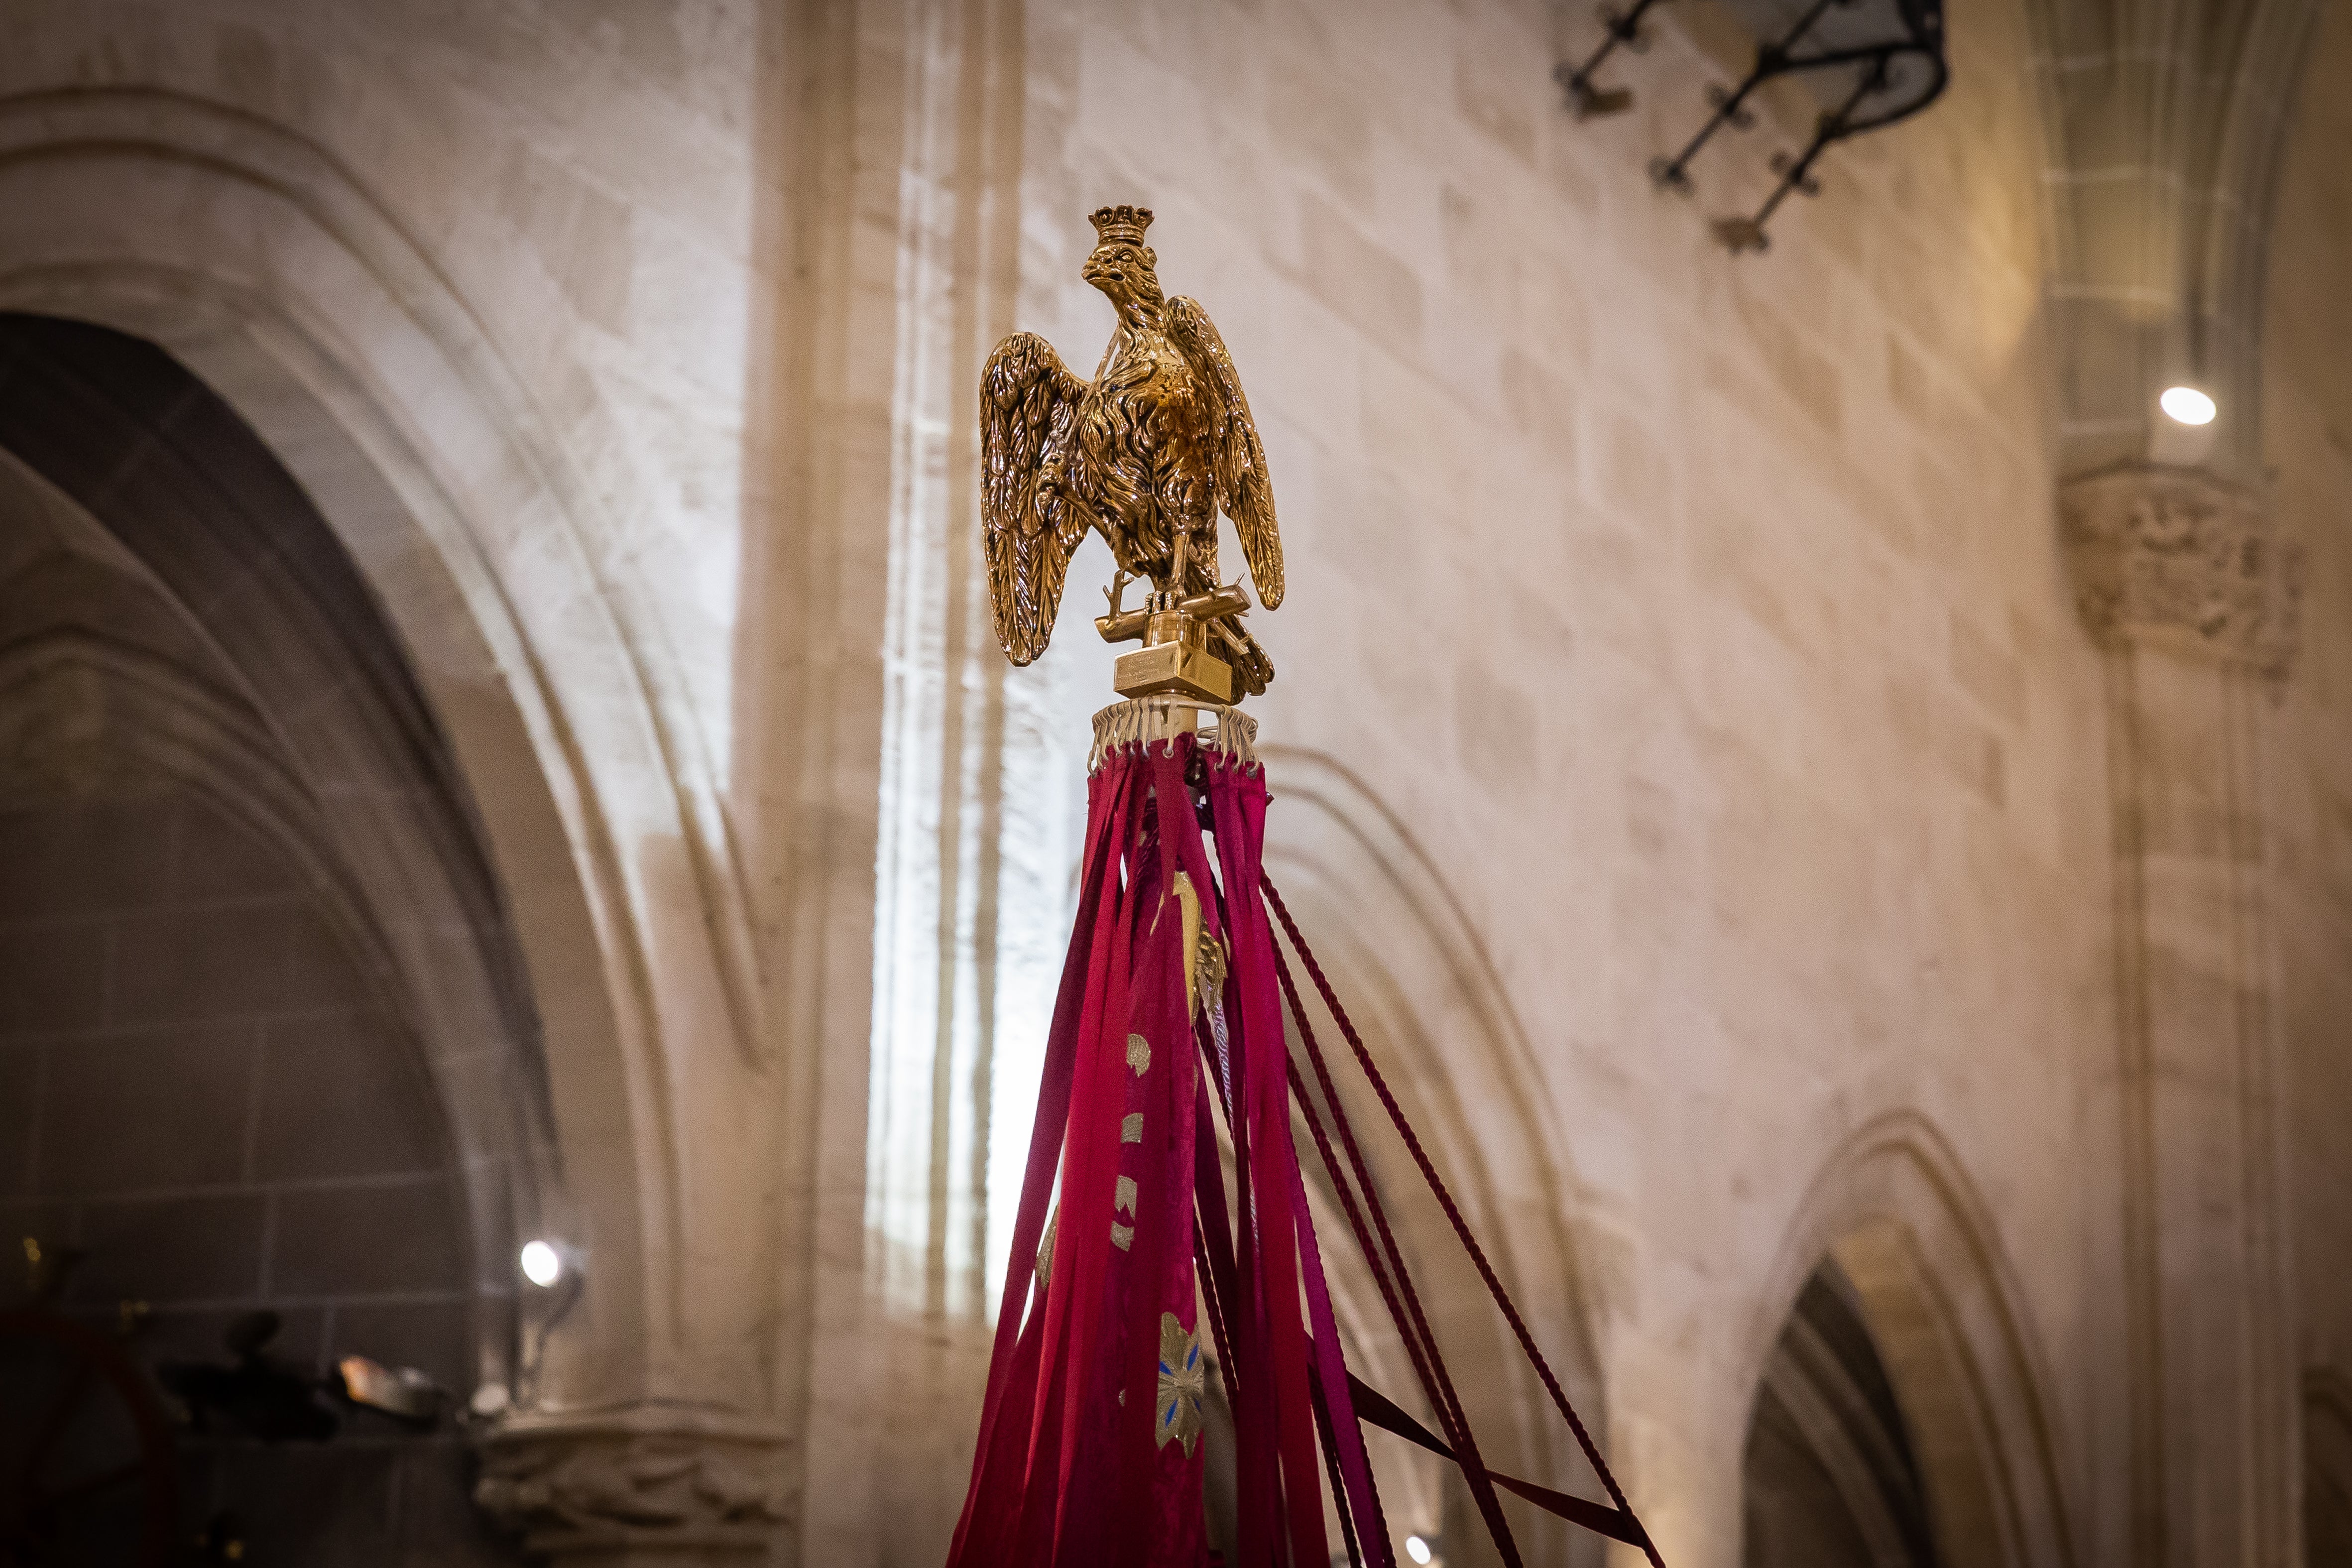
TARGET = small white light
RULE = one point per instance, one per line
(541, 1264)
(2188, 405)
(1416, 1548)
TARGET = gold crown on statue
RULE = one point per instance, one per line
(1115, 224)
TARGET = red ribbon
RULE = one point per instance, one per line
(1081, 1458)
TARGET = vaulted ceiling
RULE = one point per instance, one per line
(2168, 120)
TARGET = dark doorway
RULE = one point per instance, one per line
(1830, 1478)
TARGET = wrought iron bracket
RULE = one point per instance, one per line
(1619, 28)
(1890, 53)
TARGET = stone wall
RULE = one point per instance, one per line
(205, 1100)
(2307, 357)
(1702, 619)
(584, 179)
(200, 1096)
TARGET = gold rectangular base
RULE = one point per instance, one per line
(1175, 670)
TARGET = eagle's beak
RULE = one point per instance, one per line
(1102, 271)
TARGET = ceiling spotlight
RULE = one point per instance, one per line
(542, 1265)
(2188, 405)
(1416, 1548)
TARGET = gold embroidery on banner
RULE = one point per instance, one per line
(1139, 1054)
(1213, 974)
(1204, 956)
(1123, 1196)
(1182, 1380)
(1190, 898)
(1122, 1236)
(1130, 1127)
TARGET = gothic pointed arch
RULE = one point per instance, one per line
(1894, 1213)
(194, 629)
(246, 254)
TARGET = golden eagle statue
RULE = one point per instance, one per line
(1147, 452)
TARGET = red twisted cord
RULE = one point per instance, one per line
(1208, 1274)
(1454, 1214)
(1414, 1328)
(1410, 1328)
(1339, 1486)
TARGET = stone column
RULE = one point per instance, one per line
(2181, 579)
(924, 802)
(641, 1486)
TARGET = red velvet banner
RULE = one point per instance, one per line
(1132, 1260)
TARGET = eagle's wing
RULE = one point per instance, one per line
(1237, 457)
(1027, 401)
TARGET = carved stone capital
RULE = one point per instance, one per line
(2175, 558)
(636, 1483)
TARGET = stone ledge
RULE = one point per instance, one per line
(639, 1483)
